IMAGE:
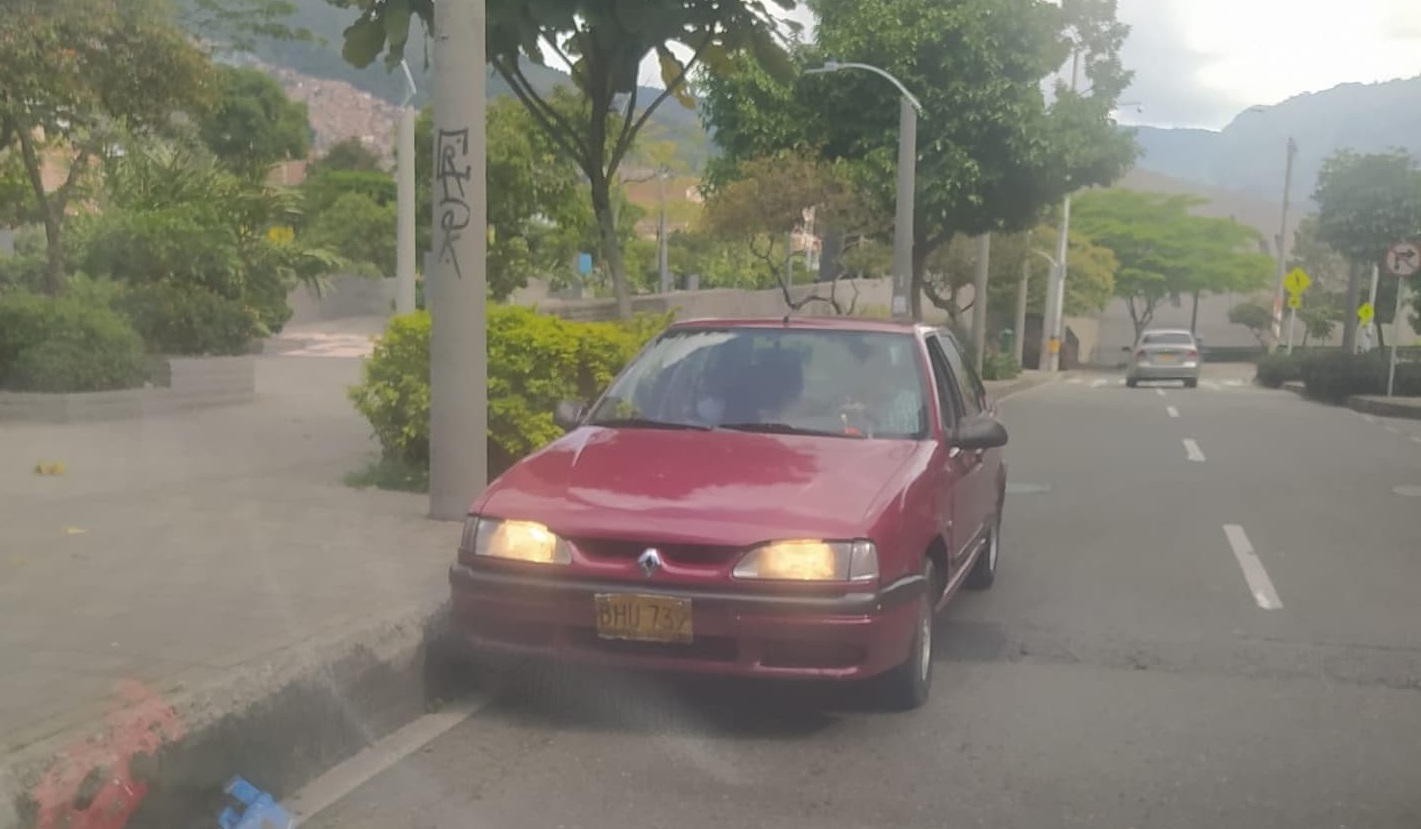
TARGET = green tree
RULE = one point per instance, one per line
(78, 73)
(358, 229)
(348, 155)
(238, 25)
(992, 153)
(1366, 203)
(254, 124)
(771, 198)
(1091, 267)
(605, 45)
(1167, 252)
(1255, 316)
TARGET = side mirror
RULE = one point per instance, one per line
(980, 432)
(568, 414)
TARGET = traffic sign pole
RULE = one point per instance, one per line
(1292, 318)
(1395, 335)
(1372, 301)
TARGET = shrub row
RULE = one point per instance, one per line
(534, 361)
(1332, 376)
(95, 336)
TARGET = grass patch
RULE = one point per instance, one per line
(384, 473)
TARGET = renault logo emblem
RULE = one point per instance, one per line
(650, 561)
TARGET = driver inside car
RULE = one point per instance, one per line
(888, 398)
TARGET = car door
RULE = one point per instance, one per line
(973, 496)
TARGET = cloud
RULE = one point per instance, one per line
(1167, 70)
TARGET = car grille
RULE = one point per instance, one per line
(685, 554)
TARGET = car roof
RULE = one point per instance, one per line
(1149, 331)
(861, 324)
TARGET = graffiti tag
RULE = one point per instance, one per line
(453, 177)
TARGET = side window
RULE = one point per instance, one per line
(942, 379)
(966, 391)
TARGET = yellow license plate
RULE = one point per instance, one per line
(1167, 357)
(643, 618)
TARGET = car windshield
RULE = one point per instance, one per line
(784, 380)
(1167, 338)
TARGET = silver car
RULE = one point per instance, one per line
(1165, 354)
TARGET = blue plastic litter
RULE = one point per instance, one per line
(259, 809)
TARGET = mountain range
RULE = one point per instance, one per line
(1249, 155)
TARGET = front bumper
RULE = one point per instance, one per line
(851, 636)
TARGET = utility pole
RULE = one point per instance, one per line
(405, 196)
(979, 300)
(662, 262)
(458, 382)
(1282, 247)
(904, 302)
(1053, 322)
(1023, 287)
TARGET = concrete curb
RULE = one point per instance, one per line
(1403, 407)
(279, 724)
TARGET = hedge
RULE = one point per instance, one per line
(534, 361)
(69, 344)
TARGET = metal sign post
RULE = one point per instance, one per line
(1402, 260)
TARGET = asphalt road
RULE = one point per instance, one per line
(1232, 640)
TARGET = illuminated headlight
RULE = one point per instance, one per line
(514, 541)
(811, 561)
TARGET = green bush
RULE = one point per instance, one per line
(999, 366)
(173, 318)
(1276, 369)
(534, 362)
(1334, 376)
(66, 345)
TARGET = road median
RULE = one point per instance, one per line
(1403, 407)
(161, 758)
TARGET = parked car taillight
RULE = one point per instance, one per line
(1193, 354)
(1140, 355)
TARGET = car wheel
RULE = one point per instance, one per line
(984, 572)
(1191, 383)
(1131, 382)
(907, 686)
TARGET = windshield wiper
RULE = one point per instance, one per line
(648, 423)
(784, 429)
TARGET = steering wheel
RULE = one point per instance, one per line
(857, 418)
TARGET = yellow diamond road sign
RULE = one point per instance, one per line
(1295, 301)
(1366, 313)
(1296, 281)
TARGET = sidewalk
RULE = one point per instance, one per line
(1001, 389)
(194, 550)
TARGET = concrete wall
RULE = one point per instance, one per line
(178, 383)
(344, 296)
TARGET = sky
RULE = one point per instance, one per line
(1198, 63)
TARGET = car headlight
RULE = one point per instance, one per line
(807, 560)
(514, 541)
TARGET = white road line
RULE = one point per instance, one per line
(1258, 582)
(1369, 418)
(1210, 384)
(1173, 412)
(1159, 391)
(345, 778)
(1191, 449)
(1392, 429)
(1074, 381)
(1234, 382)
(1095, 384)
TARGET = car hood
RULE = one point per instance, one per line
(695, 487)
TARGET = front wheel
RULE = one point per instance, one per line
(1192, 383)
(907, 686)
(1131, 382)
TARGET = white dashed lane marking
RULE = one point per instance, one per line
(1264, 595)
(1192, 451)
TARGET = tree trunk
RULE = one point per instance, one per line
(54, 253)
(611, 247)
(915, 292)
(1194, 316)
(1349, 320)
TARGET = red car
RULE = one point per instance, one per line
(789, 498)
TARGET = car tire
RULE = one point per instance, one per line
(1191, 384)
(1131, 382)
(908, 686)
(984, 570)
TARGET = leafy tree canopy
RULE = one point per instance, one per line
(993, 153)
(604, 45)
(254, 124)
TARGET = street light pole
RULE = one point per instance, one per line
(404, 200)
(1283, 248)
(663, 267)
(908, 110)
(458, 284)
(1054, 319)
